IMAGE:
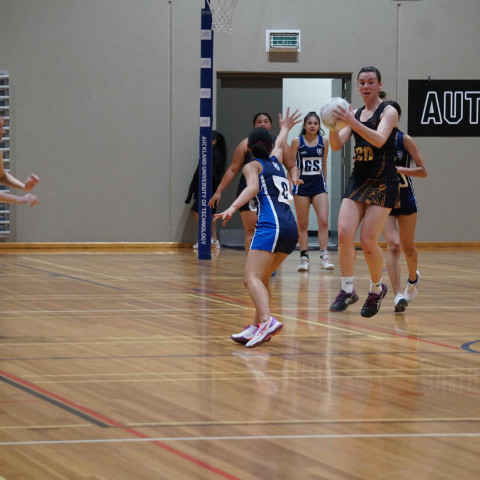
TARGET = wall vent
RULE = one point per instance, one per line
(283, 40)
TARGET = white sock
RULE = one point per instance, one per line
(347, 284)
(323, 253)
(376, 287)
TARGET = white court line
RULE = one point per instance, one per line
(171, 311)
(74, 269)
(247, 437)
(280, 315)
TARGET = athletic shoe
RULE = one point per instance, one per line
(343, 300)
(372, 303)
(245, 336)
(400, 303)
(195, 247)
(411, 291)
(324, 264)
(265, 332)
(304, 264)
(215, 244)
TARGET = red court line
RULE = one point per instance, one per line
(114, 423)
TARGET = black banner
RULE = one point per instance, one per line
(444, 108)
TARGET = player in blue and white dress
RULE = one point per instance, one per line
(310, 150)
(242, 156)
(275, 234)
(399, 230)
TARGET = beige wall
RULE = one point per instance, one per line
(106, 101)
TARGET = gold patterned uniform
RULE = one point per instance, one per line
(374, 178)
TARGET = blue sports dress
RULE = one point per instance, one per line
(309, 162)
(276, 228)
(408, 202)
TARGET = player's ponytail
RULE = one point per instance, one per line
(260, 143)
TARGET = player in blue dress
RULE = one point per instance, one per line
(310, 150)
(242, 156)
(276, 232)
(399, 230)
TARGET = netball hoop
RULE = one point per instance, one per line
(222, 14)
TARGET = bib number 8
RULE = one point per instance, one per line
(283, 188)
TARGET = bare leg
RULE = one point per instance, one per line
(258, 269)
(302, 208)
(390, 232)
(349, 218)
(249, 220)
(320, 205)
(373, 223)
(407, 224)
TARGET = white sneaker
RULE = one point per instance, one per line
(215, 244)
(411, 291)
(304, 264)
(399, 303)
(324, 264)
(245, 336)
(264, 332)
(195, 247)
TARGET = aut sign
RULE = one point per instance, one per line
(446, 108)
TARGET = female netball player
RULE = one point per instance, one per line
(372, 190)
(310, 150)
(400, 225)
(276, 232)
(241, 156)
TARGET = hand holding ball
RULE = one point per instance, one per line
(326, 113)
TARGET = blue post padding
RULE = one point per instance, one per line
(205, 147)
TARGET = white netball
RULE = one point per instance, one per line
(326, 113)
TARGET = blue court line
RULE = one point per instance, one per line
(54, 274)
(468, 348)
(54, 402)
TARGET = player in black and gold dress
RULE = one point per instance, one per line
(372, 190)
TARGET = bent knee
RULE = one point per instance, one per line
(394, 248)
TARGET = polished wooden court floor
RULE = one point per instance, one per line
(119, 365)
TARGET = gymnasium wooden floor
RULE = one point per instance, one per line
(119, 365)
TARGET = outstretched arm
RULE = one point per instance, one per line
(28, 199)
(251, 172)
(231, 172)
(6, 178)
(419, 170)
(286, 124)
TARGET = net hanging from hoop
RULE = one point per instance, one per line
(222, 14)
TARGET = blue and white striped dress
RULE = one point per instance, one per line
(276, 229)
